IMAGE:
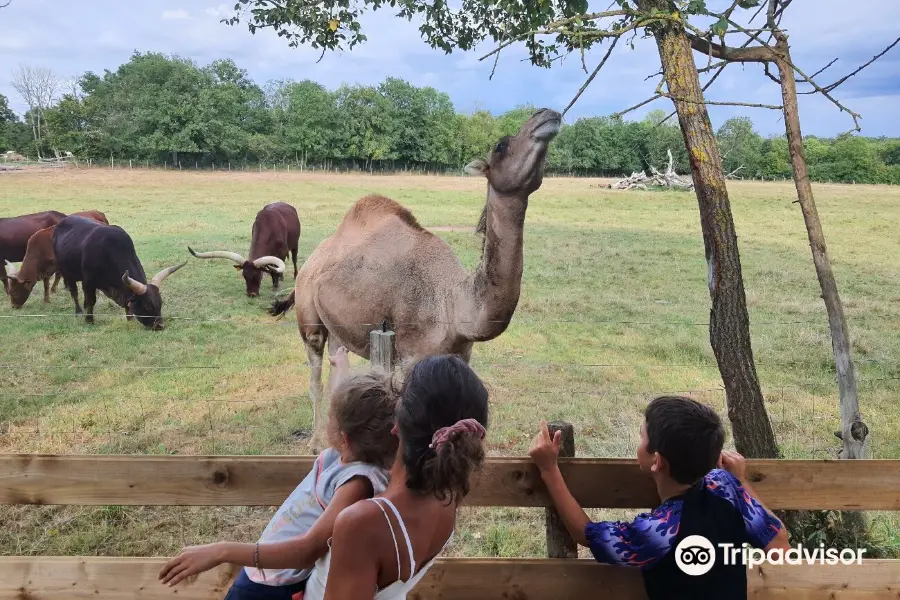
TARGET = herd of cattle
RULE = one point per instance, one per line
(84, 247)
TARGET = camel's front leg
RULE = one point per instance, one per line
(315, 349)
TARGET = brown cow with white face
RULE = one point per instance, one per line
(276, 232)
(39, 264)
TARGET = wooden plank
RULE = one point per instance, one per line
(101, 578)
(267, 480)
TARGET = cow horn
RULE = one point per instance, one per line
(267, 261)
(135, 286)
(11, 269)
(219, 254)
(161, 276)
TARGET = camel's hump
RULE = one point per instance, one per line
(375, 205)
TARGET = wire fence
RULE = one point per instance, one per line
(432, 322)
(78, 414)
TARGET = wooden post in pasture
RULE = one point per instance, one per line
(559, 543)
(381, 349)
(129, 163)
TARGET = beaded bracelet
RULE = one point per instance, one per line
(256, 561)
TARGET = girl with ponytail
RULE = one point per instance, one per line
(381, 548)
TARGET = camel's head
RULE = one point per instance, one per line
(516, 163)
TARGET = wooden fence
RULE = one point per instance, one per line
(267, 480)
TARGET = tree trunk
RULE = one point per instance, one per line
(853, 430)
(729, 323)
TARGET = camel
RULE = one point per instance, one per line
(381, 265)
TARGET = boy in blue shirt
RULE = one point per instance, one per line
(704, 492)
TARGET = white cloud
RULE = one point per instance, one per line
(220, 11)
(176, 15)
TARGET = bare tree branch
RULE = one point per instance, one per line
(820, 71)
(846, 77)
(494, 68)
(714, 103)
(704, 46)
(769, 74)
(636, 106)
(592, 75)
(855, 116)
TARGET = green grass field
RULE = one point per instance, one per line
(613, 311)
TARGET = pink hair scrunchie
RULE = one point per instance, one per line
(443, 434)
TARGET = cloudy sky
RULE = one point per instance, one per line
(74, 37)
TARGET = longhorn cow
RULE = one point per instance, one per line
(102, 257)
(276, 231)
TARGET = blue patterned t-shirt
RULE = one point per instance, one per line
(645, 541)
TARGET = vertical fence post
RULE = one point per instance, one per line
(381, 349)
(559, 543)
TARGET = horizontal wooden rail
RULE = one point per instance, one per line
(101, 578)
(267, 480)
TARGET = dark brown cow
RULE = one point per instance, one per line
(39, 264)
(15, 233)
(276, 231)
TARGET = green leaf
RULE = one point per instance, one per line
(720, 27)
(697, 7)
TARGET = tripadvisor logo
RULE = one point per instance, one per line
(696, 555)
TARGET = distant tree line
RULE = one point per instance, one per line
(163, 109)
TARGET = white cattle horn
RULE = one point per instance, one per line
(161, 276)
(135, 286)
(219, 254)
(11, 269)
(270, 261)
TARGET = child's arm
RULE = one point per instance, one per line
(340, 368)
(544, 452)
(760, 521)
(299, 553)
(640, 543)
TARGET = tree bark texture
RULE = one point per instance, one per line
(729, 327)
(853, 430)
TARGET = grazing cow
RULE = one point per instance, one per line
(102, 257)
(15, 233)
(276, 231)
(39, 264)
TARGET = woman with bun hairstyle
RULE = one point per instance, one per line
(383, 546)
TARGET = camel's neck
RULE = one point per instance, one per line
(493, 290)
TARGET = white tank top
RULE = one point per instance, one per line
(315, 585)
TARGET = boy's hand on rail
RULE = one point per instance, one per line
(734, 463)
(544, 449)
(191, 561)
